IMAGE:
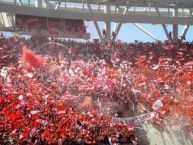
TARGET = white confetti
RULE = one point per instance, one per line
(43, 122)
(158, 104)
(20, 97)
(34, 112)
(4, 71)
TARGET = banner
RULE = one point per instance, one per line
(137, 120)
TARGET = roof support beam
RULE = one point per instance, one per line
(2, 19)
(116, 30)
(8, 19)
(146, 31)
(38, 3)
(11, 17)
(20, 3)
(184, 32)
(57, 6)
(185, 29)
(166, 32)
(163, 25)
(95, 23)
(47, 2)
(98, 30)
(119, 25)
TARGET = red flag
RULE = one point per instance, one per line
(32, 59)
(87, 102)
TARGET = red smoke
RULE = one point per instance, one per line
(32, 59)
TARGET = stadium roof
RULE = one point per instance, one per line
(142, 3)
(174, 12)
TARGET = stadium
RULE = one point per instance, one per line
(59, 85)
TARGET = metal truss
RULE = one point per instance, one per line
(178, 12)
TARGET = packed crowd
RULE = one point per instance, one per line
(75, 26)
(67, 92)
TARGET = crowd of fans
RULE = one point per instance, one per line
(54, 93)
(75, 26)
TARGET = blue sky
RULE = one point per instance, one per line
(130, 33)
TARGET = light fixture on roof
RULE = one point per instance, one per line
(172, 5)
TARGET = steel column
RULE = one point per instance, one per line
(184, 32)
(175, 27)
(107, 23)
(38, 3)
(95, 23)
(163, 25)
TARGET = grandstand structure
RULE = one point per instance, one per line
(163, 12)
